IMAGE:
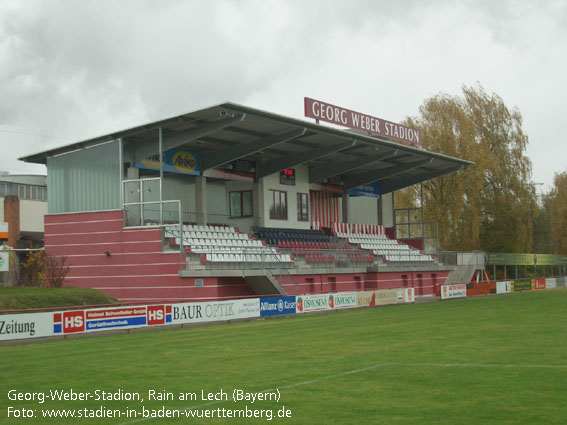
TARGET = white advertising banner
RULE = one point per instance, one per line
(453, 291)
(58, 323)
(551, 283)
(306, 303)
(25, 325)
(504, 287)
(343, 300)
(409, 295)
(390, 296)
(215, 311)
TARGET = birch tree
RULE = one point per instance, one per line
(491, 206)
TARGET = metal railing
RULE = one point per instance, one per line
(221, 219)
(267, 258)
(409, 224)
(455, 258)
(428, 232)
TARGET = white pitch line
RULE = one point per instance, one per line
(364, 369)
(485, 365)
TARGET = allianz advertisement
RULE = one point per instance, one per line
(173, 161)
(276, 306)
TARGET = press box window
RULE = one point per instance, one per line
(241, 204)
(302, 207)
(278, 205)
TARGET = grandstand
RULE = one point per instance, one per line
(231, 201)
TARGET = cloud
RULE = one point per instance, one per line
(80, 69)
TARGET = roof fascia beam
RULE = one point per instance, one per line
(324, 171)
(222, 156)
(177, 139)
(391, 186)
(266, 168)
(377, 175)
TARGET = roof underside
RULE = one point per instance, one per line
(227, 132)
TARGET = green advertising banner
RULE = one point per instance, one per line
(522, 285)
(504, 259)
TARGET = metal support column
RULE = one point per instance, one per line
(161, 176)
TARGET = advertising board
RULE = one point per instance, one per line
(306, 303)
(507, 259)
(385, 297)
(35, 325)
(276, 306)
(551, 283)
(453, 291)
(365, 299)
(174, 161)
(538, 284)
(90, 320)
(504, 287)
(25, 325)
(390, 296)
(522, 285)
(409, 295)
(343, 300)
(215, 311)
(371, 190)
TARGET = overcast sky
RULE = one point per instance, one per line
(71, 70)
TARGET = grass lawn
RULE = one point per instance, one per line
(19, 298)
(487, 360)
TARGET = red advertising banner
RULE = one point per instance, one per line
(538, 284)
(333, 114)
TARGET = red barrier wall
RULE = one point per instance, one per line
(422, 281)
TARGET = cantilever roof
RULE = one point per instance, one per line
(226, 132)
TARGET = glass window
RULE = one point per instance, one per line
(22, 190)
(28, 192)
(240, 204)
(247, 208)
(150, 190)
(2, 189)
(235, 204)
(302, 207)
(278, 206)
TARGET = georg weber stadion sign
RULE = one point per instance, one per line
(347, 118)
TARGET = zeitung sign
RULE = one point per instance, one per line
(333, 114)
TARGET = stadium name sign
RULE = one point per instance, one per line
(347, 118)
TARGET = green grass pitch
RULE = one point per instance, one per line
(487, 360)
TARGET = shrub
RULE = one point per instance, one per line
(56, 270)
(32, 270)
(41, 269)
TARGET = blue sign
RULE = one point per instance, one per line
(276, 306)
(371, 190)
(174, 161)
(116, 323)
